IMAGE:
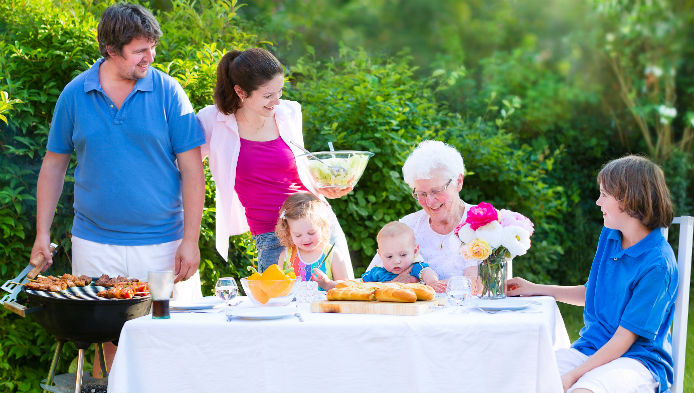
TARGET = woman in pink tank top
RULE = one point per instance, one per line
(249, 138)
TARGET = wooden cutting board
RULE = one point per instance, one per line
(373, 307)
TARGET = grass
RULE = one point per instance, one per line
(573, 319)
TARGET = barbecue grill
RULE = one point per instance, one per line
(78, 315)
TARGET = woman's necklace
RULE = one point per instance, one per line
(248, 124)
(444, 238)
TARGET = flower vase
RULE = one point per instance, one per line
(492, 274)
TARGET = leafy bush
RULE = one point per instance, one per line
(378, 105)
(191, 55)
(42, 48)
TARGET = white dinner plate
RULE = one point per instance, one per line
(200, 304)
(502, 304)
(250, 312)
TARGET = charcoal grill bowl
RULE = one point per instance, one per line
(86, 321)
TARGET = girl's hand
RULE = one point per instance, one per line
(334, 193)
(320, 277)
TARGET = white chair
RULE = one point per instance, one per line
(679, 322)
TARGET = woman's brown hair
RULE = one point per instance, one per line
(298, 206)
(639, 186)
(249, 70)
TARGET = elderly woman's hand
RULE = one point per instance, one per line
(334, 193)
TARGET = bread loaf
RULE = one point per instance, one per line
(384, 292)
(423, 291)
(351, 293)
(395, 294)
(349, 284)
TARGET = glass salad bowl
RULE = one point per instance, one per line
(269, 292)
(336, 169)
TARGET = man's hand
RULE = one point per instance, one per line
(48, 189)
(41, 253)
(187, 260)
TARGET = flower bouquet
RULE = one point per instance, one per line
(493, 238)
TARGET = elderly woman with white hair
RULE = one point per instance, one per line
(435, 171)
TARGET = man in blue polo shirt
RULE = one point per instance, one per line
(139, 184)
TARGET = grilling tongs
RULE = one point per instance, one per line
(14, 286)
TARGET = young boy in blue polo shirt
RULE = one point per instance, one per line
(625, 345)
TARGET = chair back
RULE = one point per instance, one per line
(679, 322)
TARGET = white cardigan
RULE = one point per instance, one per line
(222, 145)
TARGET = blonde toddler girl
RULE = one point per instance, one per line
(303, 229)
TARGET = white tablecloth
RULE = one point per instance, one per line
(442, 351)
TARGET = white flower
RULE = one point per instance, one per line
(491, 233)
(653, 70)
(516, 240)
(666, 114)
(466, 234)
(667, 111)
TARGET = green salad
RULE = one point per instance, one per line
(328, 176)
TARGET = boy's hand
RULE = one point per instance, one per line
(517, 286)
(568, 380)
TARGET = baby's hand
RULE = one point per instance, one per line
(405, 277)
(438, 285)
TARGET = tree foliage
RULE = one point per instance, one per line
(535, 98)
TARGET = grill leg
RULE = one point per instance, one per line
(54, 363)
(80, 364)
(102, 360)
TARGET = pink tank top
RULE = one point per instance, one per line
(266, 175)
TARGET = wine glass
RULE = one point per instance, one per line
(459, 290)
(226, 289)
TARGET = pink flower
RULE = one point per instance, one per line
(509, 218)
(481, 215)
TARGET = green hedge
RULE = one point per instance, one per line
(42, 47)
(517, 122)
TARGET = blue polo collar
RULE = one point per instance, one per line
(647, 243)
(91, 81)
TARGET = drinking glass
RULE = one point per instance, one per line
(459, 290)
(226, 289)
(161, 284)
(307, 291)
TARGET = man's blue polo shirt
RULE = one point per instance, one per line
(634, 288)
(127, 184)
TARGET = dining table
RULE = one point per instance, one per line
(446, 349)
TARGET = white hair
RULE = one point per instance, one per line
(429, 156)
